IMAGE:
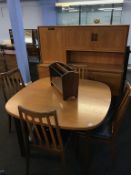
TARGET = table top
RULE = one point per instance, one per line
(82, 113)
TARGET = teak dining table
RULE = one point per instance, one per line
(85, 112)
(82, 113)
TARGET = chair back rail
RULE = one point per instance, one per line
(37, 133)
(120, 112)
(12, 82)
(81, 69)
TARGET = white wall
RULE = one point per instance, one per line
(32, 14)
(126, 19)
(32, 17)
(4, 22)
(35, 13)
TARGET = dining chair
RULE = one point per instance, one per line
(82, 70)
(38, 135)
(11, 82)
(109, 128)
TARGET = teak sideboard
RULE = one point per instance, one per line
(102, 48)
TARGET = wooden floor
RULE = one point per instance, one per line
(93, 159)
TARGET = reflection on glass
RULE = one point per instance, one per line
(31, 36)
(93, 14)
(28, 36)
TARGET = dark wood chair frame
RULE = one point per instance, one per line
(117, 120)
(81, 69)
(36, 134)
(11, 82)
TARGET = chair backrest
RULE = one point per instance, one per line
(82, 70)
(39, 134)
(12, 82)
(120, 112)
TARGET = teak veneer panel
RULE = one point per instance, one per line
(106, 38)
(11, 61)
(90, 57)
(101, 67)
(43, 70)
(101, 47)
(8, 61)
(56, 40)
(52, 44)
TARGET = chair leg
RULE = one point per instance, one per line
(76, 145)
(62, 157)
(9, 122)
(27, 163)
(113, 150)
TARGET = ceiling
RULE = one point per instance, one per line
(87, 2)
(20, 0)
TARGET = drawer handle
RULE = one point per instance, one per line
(51, 28)
(94, 37)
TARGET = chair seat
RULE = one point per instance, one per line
(105, 129)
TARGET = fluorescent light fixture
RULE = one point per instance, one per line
(110, 9)
(82, 3)
(69, 9)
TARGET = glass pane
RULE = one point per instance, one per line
(68, 16)
(93, 14)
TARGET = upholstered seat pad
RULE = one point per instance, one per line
(105, 129)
